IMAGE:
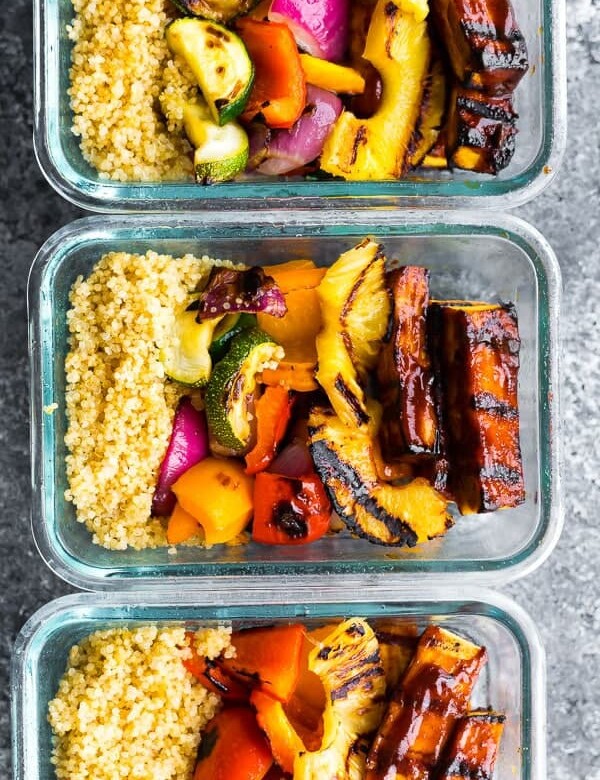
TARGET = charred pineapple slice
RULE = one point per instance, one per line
(437, 156)
(434, 692)
(378, 511)
(473, 749)
(478, 347)
(398, 46)
(486, 48)
(409, 425)
(397, 645)
(431, 116)
(348, 664)
(355, 310)
(481, 131)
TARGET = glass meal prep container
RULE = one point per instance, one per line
(498, 258)
(512, 681)
(540, 103)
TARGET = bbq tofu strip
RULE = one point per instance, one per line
(473, 748)
(481, 130)
(488, 58)
(409, 424)
(421, 715)
(487, 50)
(478, 347)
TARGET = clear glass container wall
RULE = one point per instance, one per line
(513, 681)
(540, 102)
(470, 258)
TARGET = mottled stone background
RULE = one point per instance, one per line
(563, 597)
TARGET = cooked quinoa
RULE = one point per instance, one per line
(123, 77)
(127, 707)
(120, 407)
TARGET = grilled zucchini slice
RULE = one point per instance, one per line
(185, 355)
(383, 513)
(221, 153)
(219, 61)
(355, 309)
(231, 391)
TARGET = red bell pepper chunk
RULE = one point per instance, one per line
(233, 748)
(273, 410)
(289, 510)
(279, 91)
(213, 677)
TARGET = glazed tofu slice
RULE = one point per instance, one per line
(478, 348)
(433, 694)
(485, 45)
(473, 747)
(409, 424)
(481, 131)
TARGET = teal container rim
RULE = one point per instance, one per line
(483, 192)
(269, 605)
(308, 574)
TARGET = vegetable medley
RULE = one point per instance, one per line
(350, 700)
(357, 89)
(347, 701)
(346, 389)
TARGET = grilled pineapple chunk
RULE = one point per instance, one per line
(383, 513)
(398, 46)
(355, 309)
(433, 109)
(348, 664)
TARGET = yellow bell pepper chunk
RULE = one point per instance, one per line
(329, 75)
(218, 494)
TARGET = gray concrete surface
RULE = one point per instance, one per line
(563, 596)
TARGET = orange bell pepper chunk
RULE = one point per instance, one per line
(233, 748)
(293, 376)
(212, 676)
(297, 330)
(284, 740)
(273, 411)
(181, 526)
(279, 91)
(218, 494)
(296, 275)
(268, 656)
